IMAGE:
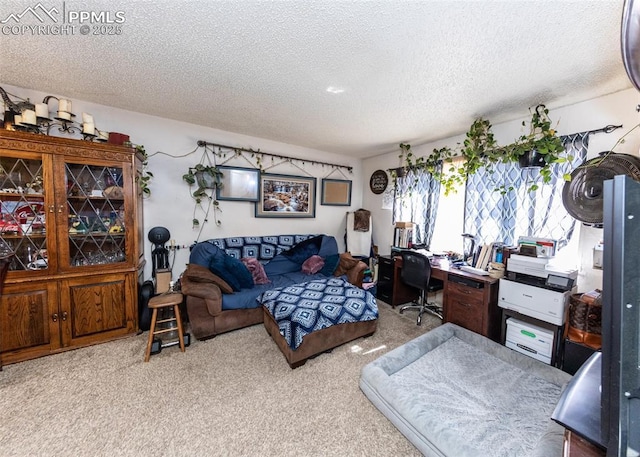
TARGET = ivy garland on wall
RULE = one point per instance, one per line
(205, 178)
(541, 148)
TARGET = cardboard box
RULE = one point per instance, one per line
(163, 280)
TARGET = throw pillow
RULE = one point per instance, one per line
(347, 262)
(202, 253)
(312, 265)
(303, 250)
(233, 271)
(256, 269)
(198, 273)
(328, 246)
(330, 264)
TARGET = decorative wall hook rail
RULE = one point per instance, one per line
(275, 156)
(608, 129)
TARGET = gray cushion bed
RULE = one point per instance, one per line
(455, 393)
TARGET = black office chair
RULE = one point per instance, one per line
(416, 272)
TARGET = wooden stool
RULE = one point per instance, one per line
(163, 301)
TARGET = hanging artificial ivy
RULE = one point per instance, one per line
(208, 179)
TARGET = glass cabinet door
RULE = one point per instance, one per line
(23, 219)
(96, 214)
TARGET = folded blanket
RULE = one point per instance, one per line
(303, 308)
(361, 220)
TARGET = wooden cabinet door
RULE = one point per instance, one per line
(465, 307)
(97, 307)
(95, 225)
(27, 222)
(29, 321)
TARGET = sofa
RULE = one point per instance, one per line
(455, 393)
(216, 305)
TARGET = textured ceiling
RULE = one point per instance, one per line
(405, 71)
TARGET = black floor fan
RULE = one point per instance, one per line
(583, 195)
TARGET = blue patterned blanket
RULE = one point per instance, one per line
(303, 308)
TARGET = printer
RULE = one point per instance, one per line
(534, 287)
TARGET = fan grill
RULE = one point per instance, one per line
(583, 195)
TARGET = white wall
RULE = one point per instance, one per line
(171, 205)
(618, 108)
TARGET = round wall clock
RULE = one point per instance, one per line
(378, 182)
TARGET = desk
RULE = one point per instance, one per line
(469, 300)
(576, 446)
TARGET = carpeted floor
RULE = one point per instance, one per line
(233, 395)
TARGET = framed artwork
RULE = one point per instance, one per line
(286, 196)
(239, 184)
(336, 192)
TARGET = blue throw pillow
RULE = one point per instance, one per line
(303, 250)
(233, 271)
(329, 246)
(203, 254)
(330, 264)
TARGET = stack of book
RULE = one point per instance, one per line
(403, 235)
(488, 253)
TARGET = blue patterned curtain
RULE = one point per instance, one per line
(416, 200)
(493, 216)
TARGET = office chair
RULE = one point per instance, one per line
(416, 272)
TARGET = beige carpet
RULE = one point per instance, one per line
(232, 395)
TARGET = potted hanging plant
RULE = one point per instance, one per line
(208, 179)
(541, 147)
(145, 177)
(477, 151)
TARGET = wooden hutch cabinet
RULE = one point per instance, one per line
(70, 211)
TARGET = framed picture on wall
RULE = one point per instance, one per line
(286, 196)
(336, 192)
(239, 184)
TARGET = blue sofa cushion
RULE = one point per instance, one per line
(328, 246)
(233, 271)
(203, 254)
(280, 265)
(263, 248)
(330, 264)
(303, 250)
(269, 250)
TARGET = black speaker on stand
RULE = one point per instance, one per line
(158, 236)
(160, 254)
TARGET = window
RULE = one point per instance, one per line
(479, 209)
(416, 200)
(493, 216)
(449, 223)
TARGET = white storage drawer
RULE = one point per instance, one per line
(530, 340)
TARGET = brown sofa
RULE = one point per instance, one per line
(204, 297)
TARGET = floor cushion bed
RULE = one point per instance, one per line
(455, 393)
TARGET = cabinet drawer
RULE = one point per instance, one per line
(465, 312)
(385, 288)
(462, 290)
(385, 276)
(385, 271)
(384, 295)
